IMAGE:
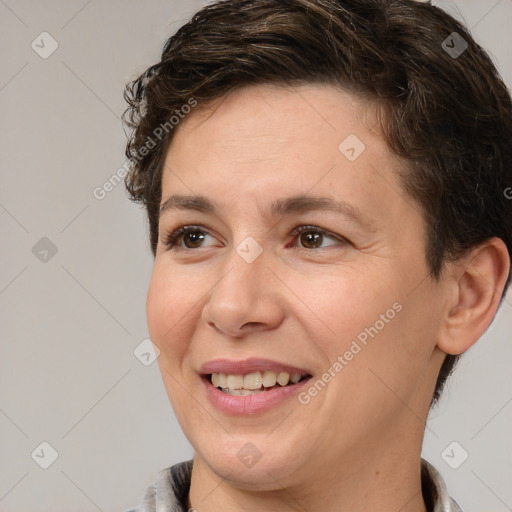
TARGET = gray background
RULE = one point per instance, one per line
(70, 323)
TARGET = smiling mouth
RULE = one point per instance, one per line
(254, 383)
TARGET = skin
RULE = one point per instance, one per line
(357, 444)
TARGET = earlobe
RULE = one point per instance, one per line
(477, 282)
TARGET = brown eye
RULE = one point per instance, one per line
(188, 237)
(311, 239)
(193, 239)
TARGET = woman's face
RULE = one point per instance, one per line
(346, 300)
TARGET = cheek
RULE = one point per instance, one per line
(170, 305)
(345, 306)
(394, 356)
(157, 304)
(378, 331)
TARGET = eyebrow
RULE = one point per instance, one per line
(279, 207)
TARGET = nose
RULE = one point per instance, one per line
(245, 300)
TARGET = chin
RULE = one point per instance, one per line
(249, 467)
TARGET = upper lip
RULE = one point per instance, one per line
(250, 365)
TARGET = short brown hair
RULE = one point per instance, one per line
(446, 110)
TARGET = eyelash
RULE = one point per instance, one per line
(172, 237)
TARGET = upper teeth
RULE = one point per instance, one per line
(254, 380)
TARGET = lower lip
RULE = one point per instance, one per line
(250, 404)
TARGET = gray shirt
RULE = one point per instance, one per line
(169, 492)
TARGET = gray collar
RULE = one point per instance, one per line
(435, 493)
(169, 492)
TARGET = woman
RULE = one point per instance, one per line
(321, 254)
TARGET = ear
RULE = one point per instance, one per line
(476, 284)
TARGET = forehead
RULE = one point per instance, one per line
(277, 116)
(261, 141)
